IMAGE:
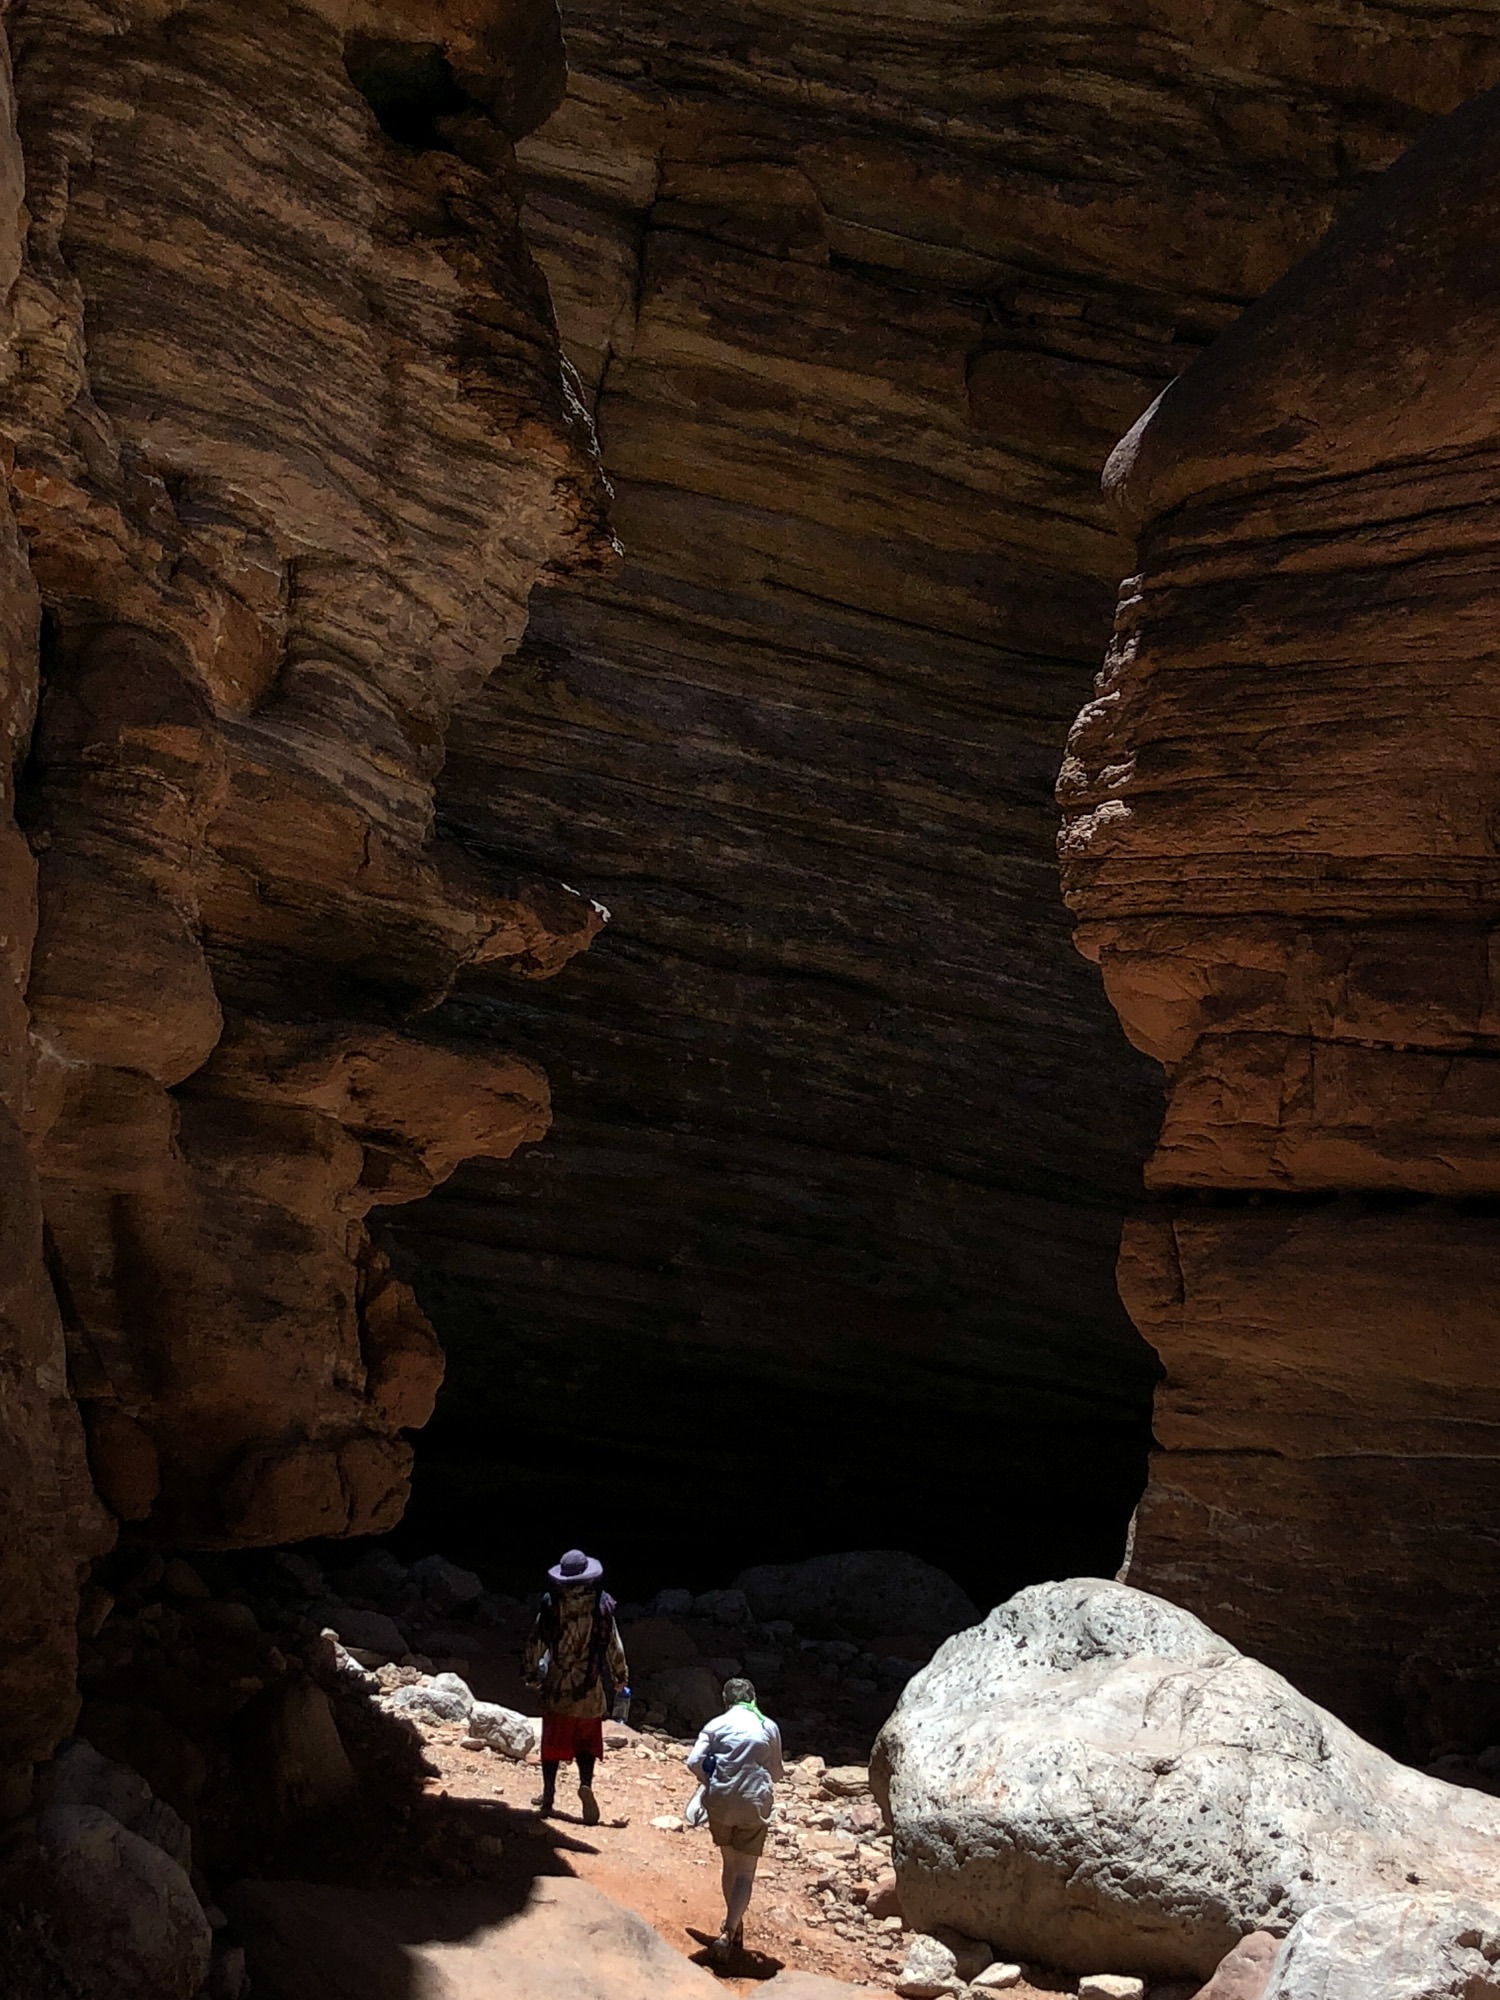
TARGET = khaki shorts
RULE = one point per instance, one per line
(743, 1839)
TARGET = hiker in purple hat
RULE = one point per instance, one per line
(574, 1655)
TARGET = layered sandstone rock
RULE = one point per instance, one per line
(862, 298)
(289, 443)
(1281, 844)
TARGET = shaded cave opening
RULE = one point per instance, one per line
(688, 1416)
(410, 87)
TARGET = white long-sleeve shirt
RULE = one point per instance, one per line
(748, 1752)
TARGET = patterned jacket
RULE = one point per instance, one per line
(576, 1627)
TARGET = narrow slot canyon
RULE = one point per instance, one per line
(617, 934)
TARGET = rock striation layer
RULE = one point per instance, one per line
(1281, 846)
(289, 441)
(861, 299)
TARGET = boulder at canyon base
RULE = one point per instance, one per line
(1092, 1778)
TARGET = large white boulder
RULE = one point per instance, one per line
(1411, 1947)
(1092, 1778)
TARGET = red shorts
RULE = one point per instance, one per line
(563, 1736)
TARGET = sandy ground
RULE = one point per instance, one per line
(669, 1878)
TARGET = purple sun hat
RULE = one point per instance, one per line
(576, 1567)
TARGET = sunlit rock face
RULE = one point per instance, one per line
(1282, 845)
(862, 298)
(289, 442)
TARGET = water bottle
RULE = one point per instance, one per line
(621, 1710)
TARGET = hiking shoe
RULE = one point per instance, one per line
(590, 1805)
(544, 1804)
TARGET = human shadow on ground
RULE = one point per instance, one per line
(737, 1964)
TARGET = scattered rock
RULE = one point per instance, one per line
(1094, 1777)
(300, 1571)
(725, 1607)
(125, 1913)
(79, 1776)
(884, 1899)
(445, 1698)
(931, 1969)
(1110, 1986)
(1245, 1972)
(445, 1586)
(502, 1729)
(371, 1631)
(671, 1604)
(790, 1984)
(690, 1696)
(864, 1592)
(667, 1823)
(1429, 1947)
(972, 1955)
(180, 1579)
(845, 1781)
(997, 1977)
(656, 1643)
(310, 1767)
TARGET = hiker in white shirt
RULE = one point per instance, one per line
(737, 1759)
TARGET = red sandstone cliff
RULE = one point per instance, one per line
(289, 443)
(1281, 845)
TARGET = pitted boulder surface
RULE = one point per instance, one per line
(1092, 1777)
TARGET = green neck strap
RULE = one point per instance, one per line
(752, 1708)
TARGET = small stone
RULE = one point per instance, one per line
(725, 1607)
(232, 1617)
(445, 1586)
(180, 1579)
(1110, 1986)
(445, 1699)
(846, 1781)
(667, 1823)
(502, 1729)
(892, 1924)
(971, 1955)
(884, 1899)
(996, 1977)
(473, 1743)
(930, 1971)
(371, 1631)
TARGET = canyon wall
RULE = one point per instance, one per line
(861, 299)
(289, 442)
(1283, 827)
(822, 1250)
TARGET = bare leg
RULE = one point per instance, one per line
(739, 1882)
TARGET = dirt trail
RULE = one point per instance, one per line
(670, 1878)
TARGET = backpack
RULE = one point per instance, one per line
(601, 1626)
